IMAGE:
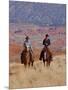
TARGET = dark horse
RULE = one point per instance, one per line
(47, 56)
(27, 57)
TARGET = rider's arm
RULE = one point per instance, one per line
(30, 45)
(44, 42)
(24, 44)
(48, 42)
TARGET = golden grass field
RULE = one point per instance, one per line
(38, 75)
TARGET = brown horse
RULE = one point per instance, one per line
(47, 56)
(27, 57)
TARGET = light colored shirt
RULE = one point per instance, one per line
(28, 43)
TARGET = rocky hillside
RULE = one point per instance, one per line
(17, 33)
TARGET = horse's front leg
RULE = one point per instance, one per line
(32, 63)
(31, 59)
(44, 58)
(44, 61)
(29, 64)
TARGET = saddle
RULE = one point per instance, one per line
(47, 53)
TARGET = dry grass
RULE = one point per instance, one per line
(38, 76)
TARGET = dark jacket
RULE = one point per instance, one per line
(46, 42)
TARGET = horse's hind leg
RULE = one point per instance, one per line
(48, 63)
(25, 65)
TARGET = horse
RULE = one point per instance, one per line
(47, 56)
(27, 57)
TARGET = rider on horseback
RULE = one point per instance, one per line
(27, 53)
(46, 43)
(27, 42)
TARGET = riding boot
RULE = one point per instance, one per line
(41, 55)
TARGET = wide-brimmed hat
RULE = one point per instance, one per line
(27, 37)
(47, 35)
